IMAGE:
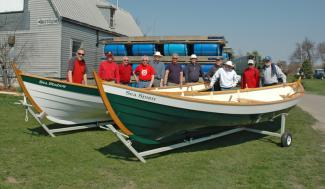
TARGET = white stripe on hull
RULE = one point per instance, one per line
(201, 106)
(65, 107)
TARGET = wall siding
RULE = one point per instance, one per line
(88, 38)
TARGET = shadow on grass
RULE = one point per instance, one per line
(117, 150)
(39, 131)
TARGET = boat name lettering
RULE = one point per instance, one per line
(140, 95)
(57, 85)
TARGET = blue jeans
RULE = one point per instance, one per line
(143, 84)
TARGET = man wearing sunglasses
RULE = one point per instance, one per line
(77, 69)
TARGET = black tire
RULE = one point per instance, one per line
(286, 139)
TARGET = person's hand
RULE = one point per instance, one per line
(285, 84)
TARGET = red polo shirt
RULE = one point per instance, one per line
(251, 78)
(78, 69)
(145, 72)
(125, 73)
(109, 71)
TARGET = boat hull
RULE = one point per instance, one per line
(66, 103)
(154, 119)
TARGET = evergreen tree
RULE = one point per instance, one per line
(307, 69)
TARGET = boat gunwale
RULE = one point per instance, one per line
(174, 95)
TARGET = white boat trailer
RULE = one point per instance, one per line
(286, 138)
(40, 116)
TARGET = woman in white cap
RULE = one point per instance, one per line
(227, 75)
(193, 70)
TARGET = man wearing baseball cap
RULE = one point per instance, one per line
(251, 76)
(272, 74)
(108, 69)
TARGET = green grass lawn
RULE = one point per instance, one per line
(95, 159)
(314, 86)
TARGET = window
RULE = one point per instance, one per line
(75, 45)
(112, 18)
(11, 6)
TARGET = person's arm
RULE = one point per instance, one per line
(202, 73)
(257, 75)
(100, 71)
(70, 76)
(186, 72)
(85, 79)
(210, 73)
(236, 79)
(181, 79)
(117, 74)
(162, 76)
(166, 77)
(151, 81)
(214, 78)
(134, 74)
(243, 82)
(70, 69)
(281, 74)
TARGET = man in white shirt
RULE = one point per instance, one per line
(227, 75)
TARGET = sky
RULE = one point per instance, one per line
(272, 27)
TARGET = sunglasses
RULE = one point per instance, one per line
(125, 60)
(145, 60)
(81, 54)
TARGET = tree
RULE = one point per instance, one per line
(307, 69)
(283, 65)
(255, 55)
(304, 51)
(8, 56)
(321, 52)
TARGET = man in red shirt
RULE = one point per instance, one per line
(125, 70)
(108, 70)
(251, 76)
(146, 74)
(77, 69)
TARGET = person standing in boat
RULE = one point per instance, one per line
(227, 75)
(193, 70)
(159, 69)
(212, 71)
(108, 69)
(77, 69)
(251, 76)
(125, 70)
(271, 73)
(174, 73)
(144, 74)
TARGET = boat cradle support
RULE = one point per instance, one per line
(39, 117)
(286, 138)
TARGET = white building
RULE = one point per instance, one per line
(50, 32)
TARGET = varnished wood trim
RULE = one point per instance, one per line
(299, 92)
(23, 87)
(108, 106)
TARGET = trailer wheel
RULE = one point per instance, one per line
(286, 139)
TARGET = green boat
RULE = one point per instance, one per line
(149, 117)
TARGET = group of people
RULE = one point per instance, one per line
(222, 76)
(225, 77)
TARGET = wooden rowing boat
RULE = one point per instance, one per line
(152, 118)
